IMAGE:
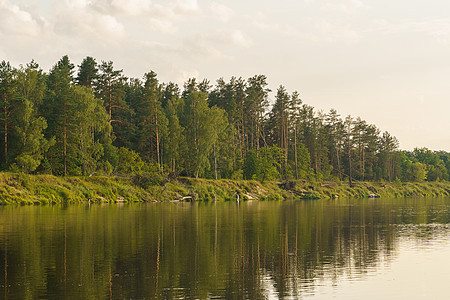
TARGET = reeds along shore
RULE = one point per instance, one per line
(47, 189)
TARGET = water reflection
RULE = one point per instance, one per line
(256, 250)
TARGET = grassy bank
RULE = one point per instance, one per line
(45, 189)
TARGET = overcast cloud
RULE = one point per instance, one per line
(385, 61)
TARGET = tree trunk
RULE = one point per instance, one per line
(251, 136)
(257, 135)
(110, 107)
(338, 157)
(5, 137)
(197, 172)
(110, 104)
(65, 149)
(363, 165)
(215, 162)
(295, 152)
(83, 155)
(361, 153)
(157, 134)
(65, 138)
(286, 141)
(350, 183)
(243, 146)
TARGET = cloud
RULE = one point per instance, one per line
(78, 3)
(220, 11)
(199, 47)
(325, 31)
(184, 75)
(214, 44)
(310, 30)
(131, 7)
(344, 6)
(111, 25)
(95, 24)
(439, 29)
(145, 14)
(95, 19)
(187, 6)
(16, 21)
(237, 37)
(234, 37)
(260, 21)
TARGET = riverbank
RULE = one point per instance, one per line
(47, 189)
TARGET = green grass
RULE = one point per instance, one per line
(47, 189)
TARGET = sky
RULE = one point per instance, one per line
(385, 61)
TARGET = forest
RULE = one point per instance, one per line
(93, 120)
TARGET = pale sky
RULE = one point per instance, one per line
(387, 61)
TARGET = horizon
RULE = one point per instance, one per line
(381, 61)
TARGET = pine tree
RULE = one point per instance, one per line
(57, 114)
(387, 147)
(349, 143)
(295, 104)
(8, 102)
(174, 139)
(152, 122)
(231, 97)
(87, 72)
(256, 102)
(336, 141)
(110, 87)
(279, 124)
(220, 136)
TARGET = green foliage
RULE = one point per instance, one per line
(237, 175)
(270, 163)
(251, 165)
(87, 72)
(311, 196)
(89, 123)
(27, 163)
(152, 122)
(423, 164)
(8, 96)
(272, 197)
(417, 172)
(149, 178)
(203, 126)
(30, 137)
(110, 155)
(304, 162)
(129, 162)
(64, 125)
(110, 88)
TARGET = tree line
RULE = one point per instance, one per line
(94, 120)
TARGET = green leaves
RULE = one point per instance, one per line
(30, 137)
(74, 126)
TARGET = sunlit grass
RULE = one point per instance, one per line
(47, 189)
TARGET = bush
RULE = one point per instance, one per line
(147, 179)
(129, 162)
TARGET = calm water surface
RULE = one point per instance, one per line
(343, 249)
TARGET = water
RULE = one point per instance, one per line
(343, 249)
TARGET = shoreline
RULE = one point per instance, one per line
(19, 188)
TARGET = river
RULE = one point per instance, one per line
(342, 249)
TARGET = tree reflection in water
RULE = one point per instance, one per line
(181, 250)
